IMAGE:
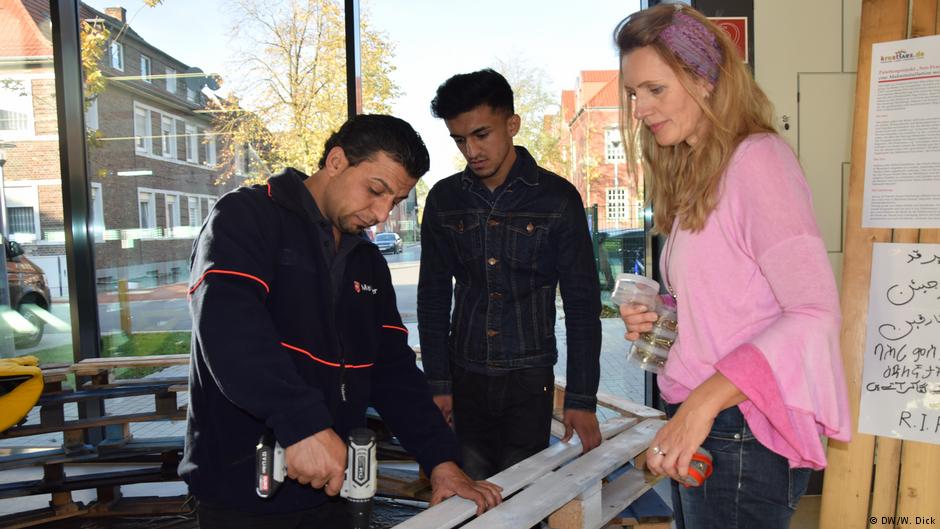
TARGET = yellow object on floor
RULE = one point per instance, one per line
(20, 387)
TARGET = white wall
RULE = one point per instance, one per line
(806, 55)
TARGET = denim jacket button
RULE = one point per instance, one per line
(496, 295)
(491, 332)
(529, 228)
(492, 261)
(737, 437)
(492, 223)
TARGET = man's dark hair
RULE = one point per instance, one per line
(362, 136)
(466, 91)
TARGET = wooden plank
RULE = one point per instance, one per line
(537, 501)
(92, 423)
(583, 512)
(39, 516)
(455, 510)
(887, 471)
(94, 366)
(623, 491)
(919, 493)
(924, 19)
(617, 403)
(848, 479)
(888, 450)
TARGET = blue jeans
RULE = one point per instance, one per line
(751, 486)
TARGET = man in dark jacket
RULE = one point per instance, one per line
(507, 233)
(296, 331)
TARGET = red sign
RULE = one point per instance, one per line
(736, 27)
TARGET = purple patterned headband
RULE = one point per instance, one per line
(694, 44)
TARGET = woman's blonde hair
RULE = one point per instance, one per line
(685, 181)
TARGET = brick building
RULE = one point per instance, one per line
(153, 163)
(588, 122)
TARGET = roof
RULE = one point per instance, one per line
(567, 105)
(598, 76)
(20, 35)
(608, 96)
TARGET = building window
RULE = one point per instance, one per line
(613, 146)
(148, 218)
(171, 80)
(211, 147)
(142, 130)
(618, 203)
(192, 145)
(172, 212)
(97, 212)
(91, 115)
(15, 105)
(145, 69)
(168, 136)
(190, 95)
(22, 204)
(117, 55)
(195, 215)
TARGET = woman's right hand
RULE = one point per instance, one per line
(637, 318)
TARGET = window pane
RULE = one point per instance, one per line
(34, 282)
(566, 93)
(207, 123)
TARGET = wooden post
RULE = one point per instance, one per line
(905, 477)
(582, 512)
(125, 307)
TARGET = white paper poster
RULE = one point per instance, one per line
(902, 159)
(901, 373)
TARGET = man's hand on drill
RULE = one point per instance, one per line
(319, 460)
(448, 480)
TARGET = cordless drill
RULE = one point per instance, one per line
(359, 483)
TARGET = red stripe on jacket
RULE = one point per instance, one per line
(232, 273)
(322, 361)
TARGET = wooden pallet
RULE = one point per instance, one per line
(560, 484)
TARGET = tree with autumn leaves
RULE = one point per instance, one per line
(290, 93)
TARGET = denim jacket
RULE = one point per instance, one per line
(501, 255)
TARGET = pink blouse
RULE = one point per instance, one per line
(757, 302)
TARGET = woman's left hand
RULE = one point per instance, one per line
(673, 446)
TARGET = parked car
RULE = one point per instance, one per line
(28, 287)
(389, 242)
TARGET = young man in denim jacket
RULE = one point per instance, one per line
(509, 233)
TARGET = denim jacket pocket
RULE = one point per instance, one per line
(464, 230)
(526, 236)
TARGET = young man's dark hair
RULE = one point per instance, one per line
(467, 91)
(364, 135)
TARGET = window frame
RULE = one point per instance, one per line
(168, 145)
(146, 68)
(117, 59)
(32, 201)
(192, 145)
(96, 201)
(29, 131)
(147, 134)
(151, 199)
(171, 80)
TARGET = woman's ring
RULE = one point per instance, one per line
(657, 451)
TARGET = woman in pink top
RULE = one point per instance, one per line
(755, 376)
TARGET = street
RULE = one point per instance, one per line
(164, 315)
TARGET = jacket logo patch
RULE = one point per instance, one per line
(362, 287)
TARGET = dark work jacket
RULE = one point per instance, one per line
(508, 251)
(273, 347)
